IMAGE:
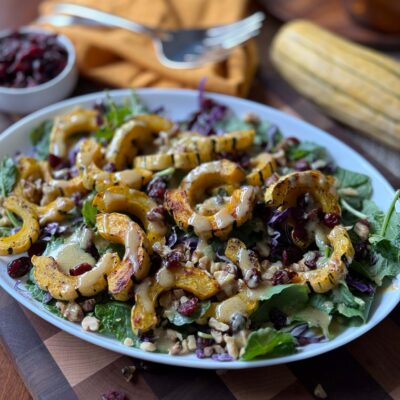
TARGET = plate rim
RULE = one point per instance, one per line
(189, 361)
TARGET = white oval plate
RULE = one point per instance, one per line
(178, 104)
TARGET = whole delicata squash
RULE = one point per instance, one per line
(181, 201)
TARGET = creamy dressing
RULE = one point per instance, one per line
(142, 293)
(200, 223)
(132, 244)
(244, 260)
(52, 213)
(223, 218)
(129, 177)
(246, 198)
(70, 255)
(165, 278)
(89, 279)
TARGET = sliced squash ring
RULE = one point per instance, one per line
(263, 166)
(29, 231)
(289, 187)
(326, 278)
(76, 121)
(137, 203)
(193, 280)
(119, 228)
(180, 202)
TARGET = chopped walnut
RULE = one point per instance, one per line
(217, 335)
(88, 305)
(362, 230)
(175, 349)
(208, 351)
(90, 324)
(218, 349)
(219, 326)
(231, 346)
(73, 312)
(191, 341)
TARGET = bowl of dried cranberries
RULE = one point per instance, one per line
(37, 68)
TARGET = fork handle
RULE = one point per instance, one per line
(104, 18)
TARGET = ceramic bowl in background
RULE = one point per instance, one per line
(28, 99)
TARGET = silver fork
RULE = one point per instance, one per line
(183, 48)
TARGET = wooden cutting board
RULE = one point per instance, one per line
(332, 15)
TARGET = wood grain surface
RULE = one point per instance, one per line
(54, 365)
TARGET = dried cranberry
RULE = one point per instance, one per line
(188, 307)
(331, 219)
(302, 165)
(292, 141)
(37, 248)
(311, 261)
(114, 395)
(54, 161)
(173, 259)
(291, 255)
(280, 277)
(110, 167)
(80, 269)
(156, 214)
(156, 188)
(19, 267)
(278, 318)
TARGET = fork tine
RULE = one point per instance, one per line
(218, 40)
(220, 30)
(234, 40)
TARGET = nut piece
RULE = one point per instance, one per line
(191, 341)
(73, 312)
(231, 346)
(319, 392)
(88, 305)
(219, 326)
(148, 346)
(90, 324)
(217, 336)
(175, 349)
(128, 342)
(362, 230)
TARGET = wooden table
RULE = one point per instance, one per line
(269, 88)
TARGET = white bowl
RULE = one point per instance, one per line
(26, 100)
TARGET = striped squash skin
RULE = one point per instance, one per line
(355, 85)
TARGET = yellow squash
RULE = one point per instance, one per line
(29, 231)
(289, 187)
(193, 280)
(134, 202)
(263, 166)
(326, 278)
(356, 85)
(236, 211)
(78, 120)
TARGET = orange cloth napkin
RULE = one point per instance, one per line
(120, 58)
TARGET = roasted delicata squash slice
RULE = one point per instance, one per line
(29, 172)
(193, 280)
(55, 211)
(123, 146)
(29, 231)
(245, 259)
(329, 276)
(263, 166)
(77, 120)
(155, 123)
(50, 277)
(137, 203)
(181, 201)
(289, 187)
(184, 160)
(29, 169)
(88, 160)
(119, 228)
(55, 188)
(226, 143)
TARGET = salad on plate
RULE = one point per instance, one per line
(214, 235)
